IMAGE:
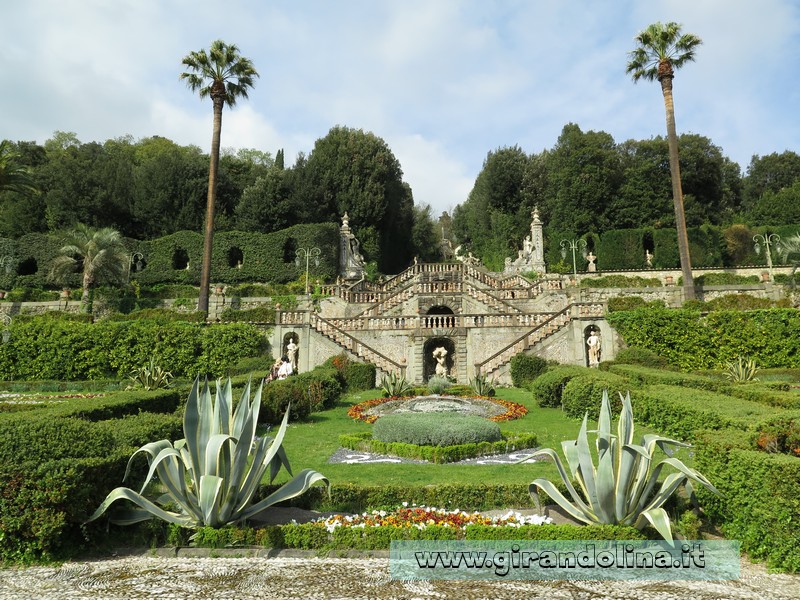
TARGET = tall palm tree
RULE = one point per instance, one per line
(14, 176)
(225, 76)
(663, 49)
(98, 253)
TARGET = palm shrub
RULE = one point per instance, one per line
(742, 370)
(621, 489)
(211, 475)
(482, 386)
(395, 385)
(150, 377)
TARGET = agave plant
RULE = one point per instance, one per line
(394, 385)
(624, 486)
(150, 377)
(211, 475)
(482, 386)
(742, 370)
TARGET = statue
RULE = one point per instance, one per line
(527, 246)
(439, 354)
(594, 344)
(648, 258)
(592, 268)
(351, 262)
(291, 352)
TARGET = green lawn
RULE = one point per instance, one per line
(311, 443)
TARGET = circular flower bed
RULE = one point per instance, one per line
(423, 516)
(493, 409)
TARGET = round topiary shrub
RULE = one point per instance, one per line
(438, 429)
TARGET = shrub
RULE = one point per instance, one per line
(641, 356)
(724, 279)
(548, 387)
(359, 376)
(439, 429)
(311, 391)
(618, 303)
(584, 394)
(259, 314)
(438, 385)
(525, 368)
(759, 504)
(620, 281)
(396, 385)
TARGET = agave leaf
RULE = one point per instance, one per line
(218, 454)
(625, 425)
(604, 426)
(280, 459)
(585, 516)
(659, 519)
(565, 478)
(296, 486)
(606, 485)
(626, 480)
(192, 426)
(223, 407)
(586, 473)
(152, 449)
(210, 486)
(123, 493)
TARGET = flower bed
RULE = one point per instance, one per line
(422, 517)
(511, 410)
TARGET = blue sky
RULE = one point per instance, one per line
(443, 82)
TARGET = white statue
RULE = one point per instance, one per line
(592, 268)
(648, 257)
(439, 354)
(527, 245)
(291, 352)
(594, 343)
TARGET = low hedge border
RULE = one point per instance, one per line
(308, 536)
(363, 442)
(759, 503)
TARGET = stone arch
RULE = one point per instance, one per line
(180, 259)
(289, 250)
(439, 316)
(235, 257)
(429, 362)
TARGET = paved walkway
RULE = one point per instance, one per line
(307, 577)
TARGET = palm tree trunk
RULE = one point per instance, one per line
(205, 273)
(86, 300)
(677, 191)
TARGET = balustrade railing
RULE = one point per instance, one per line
(356, 346)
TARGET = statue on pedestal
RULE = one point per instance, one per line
(351, 262)
(440, 354)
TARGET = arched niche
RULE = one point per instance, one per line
(429, 362)
(180, 259)
(29, 266)
(235, 257)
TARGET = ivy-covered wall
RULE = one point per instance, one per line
(690, 340)
(177, 258)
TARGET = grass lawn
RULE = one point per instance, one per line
(311, 443)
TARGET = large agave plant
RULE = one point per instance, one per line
(624, 486)
(395, 385)
(742, 370)
(211, 475)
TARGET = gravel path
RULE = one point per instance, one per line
(309, 577)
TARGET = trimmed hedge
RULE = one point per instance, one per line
(44, 348)
(364, 442)
(583, 394)
(307, 536)
(641, 356)
(359, 376)
(681, 412)
(435, 429)
(525, 368)
(308, 392)
(548, 387)
(759, 503)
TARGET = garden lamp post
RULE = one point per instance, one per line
(308, 254)
(6, 327)
(573, 245)
(772, 239)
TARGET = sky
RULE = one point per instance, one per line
(442, 82)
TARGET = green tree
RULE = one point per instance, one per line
(99, 255)
(661, 50)
(769, 174)
(355, 172)
(14, 175)
(425, 236)
(224, 75)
